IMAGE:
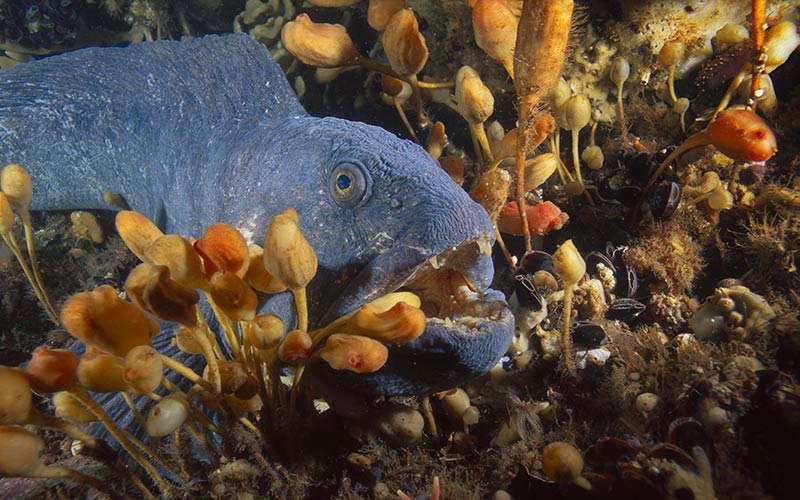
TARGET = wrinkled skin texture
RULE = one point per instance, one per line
(208, 130)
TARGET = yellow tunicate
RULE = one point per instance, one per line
(85, 227)
(720, 199)
(563, 464)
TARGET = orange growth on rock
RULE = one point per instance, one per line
(542, 218)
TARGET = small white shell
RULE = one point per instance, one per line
(166, 416)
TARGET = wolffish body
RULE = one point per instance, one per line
(208, 130)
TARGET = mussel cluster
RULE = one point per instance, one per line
(619, 280)
(44, 23)
(609, 292)
(535, 276)
(677, 468)
(625, 184)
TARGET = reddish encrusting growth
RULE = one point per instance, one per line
(542, 218)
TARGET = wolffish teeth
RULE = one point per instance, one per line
(448, 322)
(485, 246)
(434, 261)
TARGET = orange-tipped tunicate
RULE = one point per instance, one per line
(15, 397)
(404, 45)
(234, 296)
(99, 372)
(296, 345)
(52, 370)
(16, 183)
(6, 215)
(318, 44)
(742, 135)
(143, 369)
(69, 407)
(19, 451)
(737, 133)
(266, 330)
(495, 26)
(137, 231)
(354, 353)
(400, 324)
(287, 253)
(184, 263)
(380, 11)
(223, 248)
(152, 289)
(257, 274)
(101, 319)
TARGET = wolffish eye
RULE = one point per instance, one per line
(349, 184)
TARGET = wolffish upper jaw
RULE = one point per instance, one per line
(453, 286)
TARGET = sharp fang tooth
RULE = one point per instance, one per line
(434, 262)
(448, 322)
(485, 246)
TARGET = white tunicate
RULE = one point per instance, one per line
(732, 33)
(471, 416)
(780, 41)
(597, 357)
(715, 418)
(495, 131)
(620, 71)
(681, 105)
(166, 416)
(401, 425)
(577, 112)
(501, 495)
(707, 322)
(519, 342)
(455, 405)
(593, 157)
(646, 402)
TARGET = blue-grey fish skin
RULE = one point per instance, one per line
(208, 130)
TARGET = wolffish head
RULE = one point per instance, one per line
(382, 216)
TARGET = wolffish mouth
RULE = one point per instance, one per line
(452, 287)
(468, 325)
